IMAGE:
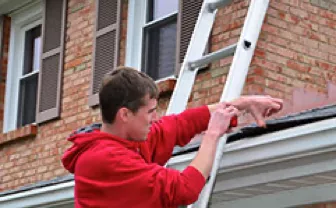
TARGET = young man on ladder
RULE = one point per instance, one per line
(120, 163)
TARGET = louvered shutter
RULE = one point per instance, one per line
(53, 32)
(187, 17)
(106, 46)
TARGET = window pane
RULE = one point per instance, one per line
(37, 53)
(27, 102)
(32, 50)
(164, 7)
(167, 47)
(161, 46)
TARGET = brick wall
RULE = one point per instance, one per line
(32, 159)
(295, 58)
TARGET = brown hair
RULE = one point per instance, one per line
(124, 87)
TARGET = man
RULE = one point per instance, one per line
(120, 163)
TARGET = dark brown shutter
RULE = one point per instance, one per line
(53, 31)
(187, 17)
(106, 46)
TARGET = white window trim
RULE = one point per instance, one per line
(136, 19)
(21, 21)
(136, 23)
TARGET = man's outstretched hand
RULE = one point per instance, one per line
(259, 106)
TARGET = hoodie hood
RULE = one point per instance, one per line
(85, 138)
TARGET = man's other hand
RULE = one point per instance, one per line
(260, 106)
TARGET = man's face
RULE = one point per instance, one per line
(140, 122)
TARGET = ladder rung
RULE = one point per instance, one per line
(217, 4)
(222, 53)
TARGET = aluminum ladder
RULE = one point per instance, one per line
(243, 52)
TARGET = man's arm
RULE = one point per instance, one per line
(259, 106)
(218, 125)
(174, 130)
(179, 129)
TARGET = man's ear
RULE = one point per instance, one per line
(123, 114)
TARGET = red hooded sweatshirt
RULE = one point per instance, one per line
(115, 172)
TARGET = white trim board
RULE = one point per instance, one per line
(7, 6)
(291, 198)
(41, 197)
(291, 153)
(267, 148)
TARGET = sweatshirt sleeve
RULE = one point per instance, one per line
(174, 130)
(154, 183)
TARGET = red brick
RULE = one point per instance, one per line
(276, 22)
(328, 31)
(327, 48)
(298, 12)
(307, 6)
(277, 5)
(276, 58)
(318, 37)
(327, 14)
(288, 35)
(323, 55)
(300, 67)
(269, 28)
(309, 42)
(299, 30)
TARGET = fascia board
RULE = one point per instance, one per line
(41, 196)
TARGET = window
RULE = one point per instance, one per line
(151, 36)
(23, 67)
(160, 38)
(29, 79)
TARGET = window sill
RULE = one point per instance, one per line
(166, 86)
(20, 133)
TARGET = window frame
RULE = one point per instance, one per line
(138, 16)
(21, 21)
(155, 24)
(26, 75)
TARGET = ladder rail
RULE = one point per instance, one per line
(248, 40)
(233, 87)
(199, 38)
